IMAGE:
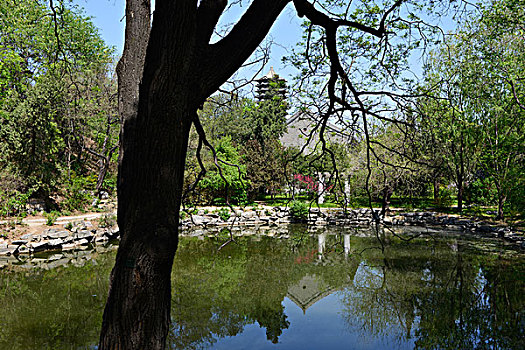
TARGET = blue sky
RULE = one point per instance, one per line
(108, 16)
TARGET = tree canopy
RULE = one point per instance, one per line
(57, 108)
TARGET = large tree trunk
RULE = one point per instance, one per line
(138, 307)
(150, 183)
(177, 72)
(150, 186)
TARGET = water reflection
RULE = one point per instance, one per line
(332, 289)
(347, 291)
(54, 301)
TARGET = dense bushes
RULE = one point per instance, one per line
(299, 211)
(58, 110)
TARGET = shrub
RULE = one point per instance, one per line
(224, 214)
(51, 217)
(107, 221)
(232, 184)
(78, 192)
(445, 197)
(481, 191)
(13, 203)
(299, 210)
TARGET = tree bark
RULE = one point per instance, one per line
(501, 204)
(150, 190)
(385, 199)
(177, 70)
(460, 194)
(436, 189)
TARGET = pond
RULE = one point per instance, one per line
(329, 289)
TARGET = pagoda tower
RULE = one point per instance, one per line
(270, 85)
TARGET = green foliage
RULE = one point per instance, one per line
(13, 203)
(224, 214)
(477, 123)
(481, 191)
(299, 210)
(265, 167)
(110, 183)
(267, 120)
(516, 203)
(55, 93)
(107, 221)
(445, 197)
(223, 116)
(253, 130)
(229, 181)
(51, 217)
(78, 192)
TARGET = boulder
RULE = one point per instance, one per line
(249, 214)
(58, 234)
(8, 251)
(101, 239)
(27, 236)
(82, 243)
(38, 246)
(68, 246)
(55, 243)
(198, 219)
(83, 234)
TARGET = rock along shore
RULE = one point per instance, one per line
(81, 235)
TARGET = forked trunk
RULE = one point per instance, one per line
(177, 69)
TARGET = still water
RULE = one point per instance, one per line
(333, 289)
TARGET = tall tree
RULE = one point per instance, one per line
(478, 75)
(165, 75)
(53, 62)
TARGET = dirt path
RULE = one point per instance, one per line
(37, 224)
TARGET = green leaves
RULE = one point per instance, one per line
(233, 171)
(55, 92)
(478, 78)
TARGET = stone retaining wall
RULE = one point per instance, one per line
(80, 236)
(276, 216)
(83, 235)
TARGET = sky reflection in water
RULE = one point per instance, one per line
(334, 290)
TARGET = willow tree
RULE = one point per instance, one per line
(169, 67)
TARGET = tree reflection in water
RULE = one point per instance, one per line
(425, 293)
